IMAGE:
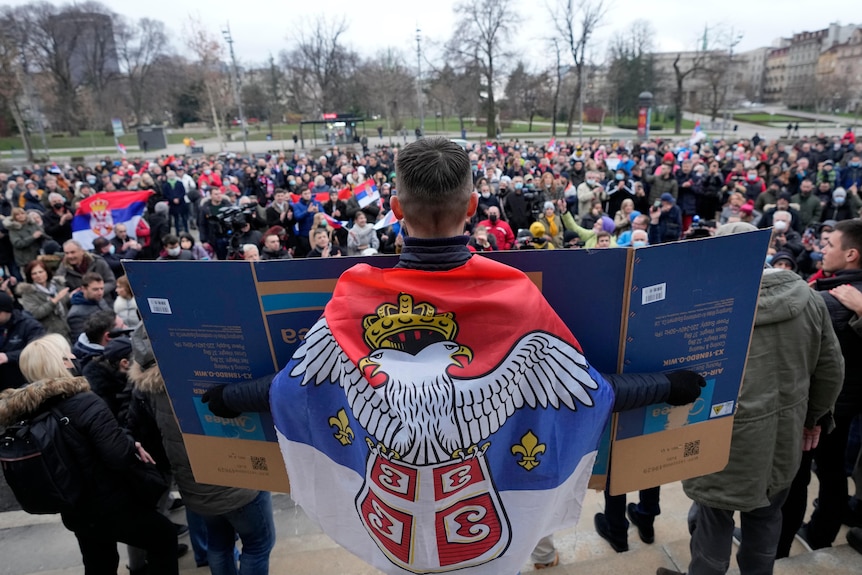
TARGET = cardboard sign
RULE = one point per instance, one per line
(686, 305)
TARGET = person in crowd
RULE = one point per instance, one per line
(784, 237)
(842, 205)
(250, 253)
(782, 204)
(304, 211)
(480, 240)
(665, 220)
(188, 242)
(503, 234)
(173, 250)
(842, 261)
(103, 248)
(552, 223)
(98, 329)
(86, 301)
(227, 513)
(322, 245)
(623, 217)
(18, 328)
(273, 249)
(125, 306)
(58, 218)
(45, 297)
(590, 192)
(26, 236)
(810, 208)
(175, 194)
(107, 510)
(663, 182)
(362, 237)
(126, 247)
(794, 354)
(77, 263)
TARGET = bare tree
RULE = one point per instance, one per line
(681, 71)
(479, 39)
(320, 65)
(208, 51)
(526, 92)
(576, 22)
(139, 45)
(12, 72)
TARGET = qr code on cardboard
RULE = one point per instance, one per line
(692, 448)
(259, 463)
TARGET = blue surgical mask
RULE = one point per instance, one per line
(816, 256)
(518, 185)
(620, 177)
(112, 249)
(838, 201)
(638, 244)
(769, 258)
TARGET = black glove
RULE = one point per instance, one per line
(685, 387)
(214, 398)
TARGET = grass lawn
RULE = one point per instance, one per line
(761, 118)
(91, 139)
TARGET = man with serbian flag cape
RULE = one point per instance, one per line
(421, 444)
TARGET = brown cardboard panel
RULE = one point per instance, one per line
(673, 455)
(598, 482)
(237, 463)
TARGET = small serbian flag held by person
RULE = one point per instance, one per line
(337, 224)
(120, 147)
(366, 193)
(98, 215)
(386, 221)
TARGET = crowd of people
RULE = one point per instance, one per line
(562, 195)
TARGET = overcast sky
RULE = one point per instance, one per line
(263, 27)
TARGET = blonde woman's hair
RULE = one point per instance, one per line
(43, 358)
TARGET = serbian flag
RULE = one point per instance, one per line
(386, 221)
(337, 224)
(366, 193)
(421, 444)
(552, 145)
(120, 146)
(697, 134)
(323, 197)
(98, 215)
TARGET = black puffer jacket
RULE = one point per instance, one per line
(102, 449)
(849, 402)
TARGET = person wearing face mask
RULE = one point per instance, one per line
(58, 219)
(499, 229)
(487, 199)
(104, 248)
(173, 251)
(590, 191)
(784, 237)
(842, 206)
(851, 175)
(782, 204)
(618, 190)
(175, 194)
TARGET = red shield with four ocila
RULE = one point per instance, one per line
(433, 518)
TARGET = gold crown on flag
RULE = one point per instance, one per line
(396, 326)
(99, 206)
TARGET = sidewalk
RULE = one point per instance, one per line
(40, 545)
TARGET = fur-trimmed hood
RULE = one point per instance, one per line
(147, 380)
(24, 288)
(18, 402)
(11, 224)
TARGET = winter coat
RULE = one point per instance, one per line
(810, 209)
(24, 245)
(81, 309)
(199, 497)
(111, 385)
(94, 264)
(849, 403)
(51, 315)
(362, 236)
(127, 309)
(659, 185)
(792, 378)
(20, 330)
(103, 452)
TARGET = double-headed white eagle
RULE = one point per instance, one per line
(424, 414)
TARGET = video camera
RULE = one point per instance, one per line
(231, 219)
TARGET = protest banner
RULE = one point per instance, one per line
(686, 305)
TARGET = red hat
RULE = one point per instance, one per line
(667, 158)
(747, 207)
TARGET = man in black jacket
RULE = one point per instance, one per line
(17, 329)
(842, 259)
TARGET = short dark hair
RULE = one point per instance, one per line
(851, 234)
(100, 242)
(170, 240)
(603, 234)
(99, 323)
(434, 179)
(91, 277)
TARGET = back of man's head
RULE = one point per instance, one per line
(98, 325)
(434, 180)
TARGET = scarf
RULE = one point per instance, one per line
(552, 227)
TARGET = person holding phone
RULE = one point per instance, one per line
(665, 220)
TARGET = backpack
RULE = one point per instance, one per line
(38, 464)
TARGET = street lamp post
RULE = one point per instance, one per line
(237, 88)
(419, 80)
